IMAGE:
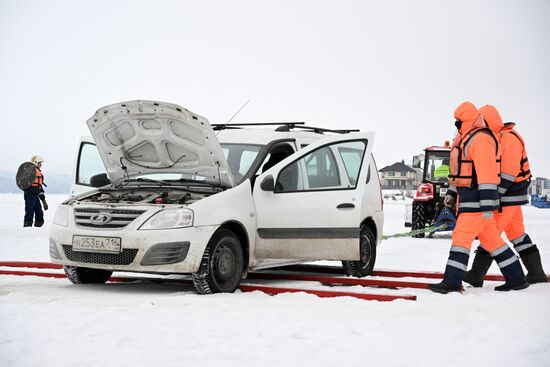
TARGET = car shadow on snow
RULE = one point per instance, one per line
(140, 286)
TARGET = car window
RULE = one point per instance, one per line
(89, 164)
(321, 168)
(352, 156)
(278, 153)
(240, 158)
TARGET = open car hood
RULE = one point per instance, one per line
(145, 137)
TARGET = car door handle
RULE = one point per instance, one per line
(345, 206)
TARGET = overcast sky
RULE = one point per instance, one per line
(398, 68)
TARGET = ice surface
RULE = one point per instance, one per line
(50, 322)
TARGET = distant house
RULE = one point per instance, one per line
(398, 176)
(540, 186)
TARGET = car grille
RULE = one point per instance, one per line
(126, 257)
(112, 218)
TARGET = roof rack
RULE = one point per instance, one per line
(284, 126)
(321, 130)
(239, 125)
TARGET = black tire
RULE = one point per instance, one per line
(87, 275)
(365, 266)
(418, 218)
(222, 265)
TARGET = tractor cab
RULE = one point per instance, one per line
(435, 173)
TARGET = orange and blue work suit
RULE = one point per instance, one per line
(515, 175)
(474, 180)
(33, 208)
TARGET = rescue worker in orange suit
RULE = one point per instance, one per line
(34, 196)
(474, 179)
(514, 182)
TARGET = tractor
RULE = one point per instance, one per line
(428, 208)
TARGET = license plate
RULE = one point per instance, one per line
(443, 191)
(97, 244)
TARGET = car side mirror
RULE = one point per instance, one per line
(268, 183)
(99, 180)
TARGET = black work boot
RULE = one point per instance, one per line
(510, 267)
(443, 288)
(38, 224)
(27, 223)
(480, 267)
(515, 279)
(533, 264)
(509, 286)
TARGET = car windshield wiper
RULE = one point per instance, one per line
(142, 179)
(200, 183)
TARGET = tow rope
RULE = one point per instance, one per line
(415, 232)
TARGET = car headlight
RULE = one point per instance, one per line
(169, 218)
(61, 217)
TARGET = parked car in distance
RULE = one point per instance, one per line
(158, 190)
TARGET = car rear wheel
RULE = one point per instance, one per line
(222, 265)
(367, 250)
(86, 275)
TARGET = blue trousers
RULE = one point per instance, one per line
(33, 207)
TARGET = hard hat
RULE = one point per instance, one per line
(37, 159)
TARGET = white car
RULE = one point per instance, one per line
(158, 193)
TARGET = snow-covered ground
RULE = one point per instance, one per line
(49, 322)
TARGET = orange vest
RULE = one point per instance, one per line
(39, 180)
(461, 169)
(524, 173)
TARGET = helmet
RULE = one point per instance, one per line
(37, 159)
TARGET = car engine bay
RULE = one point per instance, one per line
(146, 196)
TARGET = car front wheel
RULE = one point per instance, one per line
(222, 265)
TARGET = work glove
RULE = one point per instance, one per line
(449, 201)
(43, 200)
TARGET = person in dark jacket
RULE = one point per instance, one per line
(35, 197)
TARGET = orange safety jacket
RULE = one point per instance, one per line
(39, 180)
(462, 171)
(515, 175)
(474, 168)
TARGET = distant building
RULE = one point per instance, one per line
(399, 176)
(540, 186)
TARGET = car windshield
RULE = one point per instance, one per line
(436, 167)
(240, 158)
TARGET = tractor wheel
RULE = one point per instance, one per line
(87, 275)
(418, 218)
(222, 265)
(367, 249)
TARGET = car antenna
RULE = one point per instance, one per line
(232, 117)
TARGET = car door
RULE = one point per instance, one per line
(87, 165)
(309, 205)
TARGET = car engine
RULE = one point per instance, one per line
(145, 196)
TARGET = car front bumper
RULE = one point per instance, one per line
(155, 251)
